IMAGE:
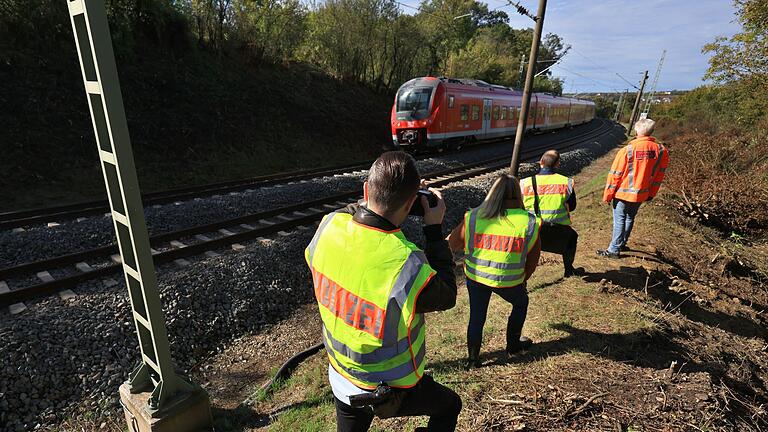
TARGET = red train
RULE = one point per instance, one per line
(434, 112)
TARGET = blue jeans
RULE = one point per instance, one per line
(624, 213)
(480, 296)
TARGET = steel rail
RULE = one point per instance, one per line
(20, 218)
(435, 179)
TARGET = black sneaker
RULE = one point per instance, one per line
(607, 254)
(522, 345)
(577, 271)
(624, 248)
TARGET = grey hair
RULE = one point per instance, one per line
(644, 126)
(504, 188)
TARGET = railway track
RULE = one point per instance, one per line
(15, 219)
(27, 217)
(73, 269)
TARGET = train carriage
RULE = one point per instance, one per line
(447, 112)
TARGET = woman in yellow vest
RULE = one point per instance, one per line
(501, 246)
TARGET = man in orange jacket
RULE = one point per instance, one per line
(635, 177)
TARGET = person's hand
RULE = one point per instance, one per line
(433, 215)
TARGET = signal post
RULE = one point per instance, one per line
(155, 398)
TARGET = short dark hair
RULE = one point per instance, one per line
(393, 179)
(550, 158)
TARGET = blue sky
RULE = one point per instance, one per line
(628, 37)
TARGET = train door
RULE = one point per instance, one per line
(487, 108)
(531, 124)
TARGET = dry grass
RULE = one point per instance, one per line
(637, 344)
(663, 339)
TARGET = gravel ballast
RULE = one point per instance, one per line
(71, 236)
(66, 359)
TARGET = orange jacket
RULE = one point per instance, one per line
(637, 171)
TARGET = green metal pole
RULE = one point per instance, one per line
(97, 61)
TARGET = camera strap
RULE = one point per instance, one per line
(536, 208)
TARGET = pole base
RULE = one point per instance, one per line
(190, 412)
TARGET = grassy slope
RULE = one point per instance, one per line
(195, 119)
(639, 334)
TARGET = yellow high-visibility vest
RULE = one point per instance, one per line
(495, 249)
(554, 190)
(366, 282)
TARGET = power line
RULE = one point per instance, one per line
(424, 12)
(610, 85)
(594, 63)
(627, 81)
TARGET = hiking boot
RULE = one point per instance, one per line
(473, 356)
(608, 254)
(520, 345)
(577, 271)
(624, 248)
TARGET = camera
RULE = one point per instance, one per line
(417, 209)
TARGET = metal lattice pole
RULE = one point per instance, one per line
(620, 106)
(647, 109)
(97, 62)
(632, 117)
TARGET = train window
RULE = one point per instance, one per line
(475, 112)
(503, 113)
(450, 101)
(496, 112)
(464, 112)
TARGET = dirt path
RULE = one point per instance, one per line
(665, 338)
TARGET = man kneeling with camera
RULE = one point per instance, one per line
(372, 288)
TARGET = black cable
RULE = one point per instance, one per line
(288, 367)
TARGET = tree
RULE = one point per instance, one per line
(744, 56)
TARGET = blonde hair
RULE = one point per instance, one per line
(504, 188)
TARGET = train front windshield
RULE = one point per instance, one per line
(413, 103)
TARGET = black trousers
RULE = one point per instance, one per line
(429, 398)
(560, 239)
(480, 297)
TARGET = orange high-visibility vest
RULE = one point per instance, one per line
(637, 171)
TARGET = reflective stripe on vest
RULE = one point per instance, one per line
(631, 189)
(366, 284)
(658, 161)
(630, 170)
(496, 250)
(400, 372)
(554, 191)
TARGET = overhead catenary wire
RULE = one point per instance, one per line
(448, 20)
(596, 64)
(600, 82)
(627, 81)
(523, 11)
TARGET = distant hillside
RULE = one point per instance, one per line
(193, 119)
